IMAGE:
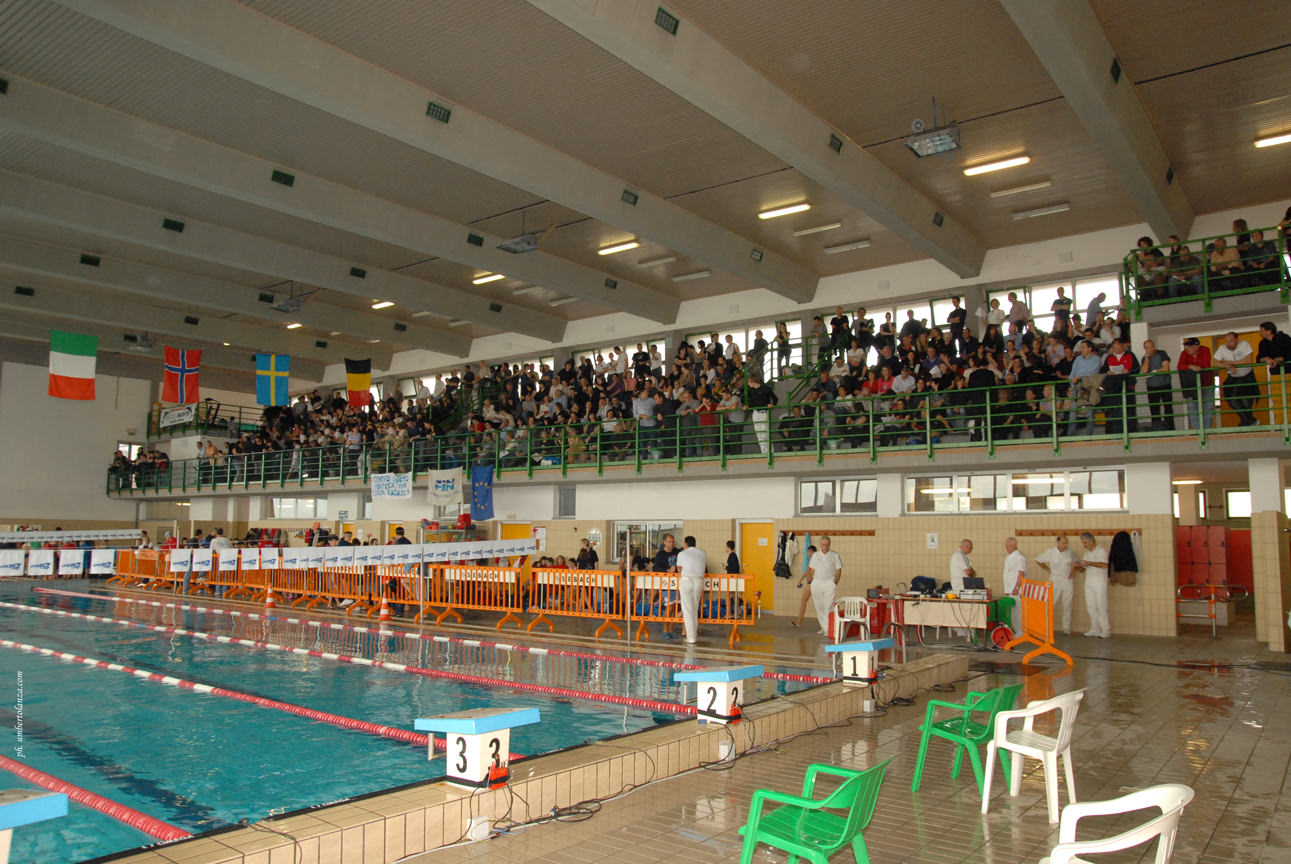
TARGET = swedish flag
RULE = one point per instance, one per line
(481, 492)
(271, 378)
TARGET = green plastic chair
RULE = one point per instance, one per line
(970, 728)
(804, 828)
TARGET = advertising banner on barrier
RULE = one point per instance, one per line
(293, 558)
(176, 416)
(12, 561)
(228, 561)
(391, 486)
(103, 562)
(203, 559)
(63, 536)
(250, 559)
(40, 562)
(314, 556)
(71, 562)
(269, 559)
(345, 555)
(363, 555)
(331, 556)
(404, 553)
(180, 559)
(389, 554)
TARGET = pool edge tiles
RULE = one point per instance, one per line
(384, 827)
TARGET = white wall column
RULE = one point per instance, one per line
(1148, 489)
(1270, 564)
(891, 495)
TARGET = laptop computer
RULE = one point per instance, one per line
(976, 583)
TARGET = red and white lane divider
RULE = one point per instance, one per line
(405, 735)
(120, 812)
(647, 704)
(433, 637)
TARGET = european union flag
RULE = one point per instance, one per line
(481, 492)
(271, 378)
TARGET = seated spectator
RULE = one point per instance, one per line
(1225, 268)
(1261, 260)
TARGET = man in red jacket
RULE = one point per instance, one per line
(1197, 382)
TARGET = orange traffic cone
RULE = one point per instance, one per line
(269, 600)
(384, 614)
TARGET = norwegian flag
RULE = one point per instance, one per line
(182, 368)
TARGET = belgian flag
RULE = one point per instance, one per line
(358, 382)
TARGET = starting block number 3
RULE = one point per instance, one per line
(492, 753)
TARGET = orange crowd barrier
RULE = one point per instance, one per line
(722, 602)
(576, 593)
(453, 587)
(1037, 621)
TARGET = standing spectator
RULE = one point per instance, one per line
(784, 347)
(960, 566)
(1019, 314)
(1094, 565)
(1197, 382)
(665, 561)
(956, 318)
(587, 558)
(732, 560)
(1119, 365)
(823, 572)
(692, 563)
(1061, 309)
(816, 347)
(1275, 348)
(761, 398)
(840, 331)
(1095, 308)
(1082, 367)
(1156, 363)
(1240, 388)
(1058, 561)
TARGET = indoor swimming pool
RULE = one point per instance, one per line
(201, 761)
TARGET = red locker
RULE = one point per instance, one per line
(1200, 544)
(1218, 541)
(1183, 544)
(1218, 573)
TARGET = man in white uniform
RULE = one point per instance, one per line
(1094, 566)
(959, 565)
(1058, 560)
(823, 573)
(692, 563)
(1015, 567)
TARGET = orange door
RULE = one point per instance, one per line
(757, 558)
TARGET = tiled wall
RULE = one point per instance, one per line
(1271, 568)
(899, 550)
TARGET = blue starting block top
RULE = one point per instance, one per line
(851, 647)
(20, 807)
(720, 673)
(477, 721)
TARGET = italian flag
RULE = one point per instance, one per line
(71, 365)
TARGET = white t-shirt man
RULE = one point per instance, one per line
(1239, 354)
(1015, 566)
(958, 565)
(825, 567)
(692, 563)
(1060, 563)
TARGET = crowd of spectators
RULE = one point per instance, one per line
(894, 384)
(1246, 260)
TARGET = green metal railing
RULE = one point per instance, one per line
(1170, 282)
(1128, 411)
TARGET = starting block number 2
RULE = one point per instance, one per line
(720, 703)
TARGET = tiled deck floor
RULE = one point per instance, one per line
(1146, 719)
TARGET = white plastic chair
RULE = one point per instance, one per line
(1170, 798)
(851, 609)
(1027, 742)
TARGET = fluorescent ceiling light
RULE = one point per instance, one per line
(1025, 187)
(457, 322)
(293, 325)
(373, 341)
(654, 262)
(521, 292)
(618, 247)
(1039, 480)
(988, 167)
(382, 304)
(944, 491)
(698, 274)
(846, 247)
(485, 278)
(226, 344)
(829, 226)
(784, 211)
(562, 301)
(1186, 482)
(1273, 141)
(1060, 207)
(422, 313)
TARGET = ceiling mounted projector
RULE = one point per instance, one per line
(291, 304)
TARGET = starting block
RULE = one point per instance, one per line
(859, 660)
(20, 807)
(479, 743)
(720, 691)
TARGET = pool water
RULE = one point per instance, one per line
(203, 762)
